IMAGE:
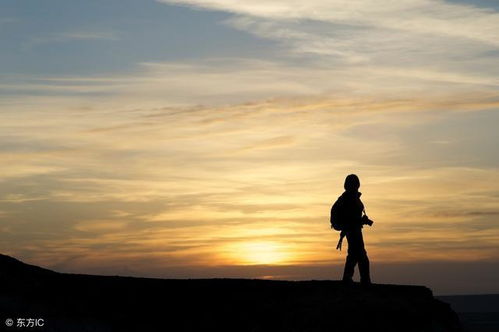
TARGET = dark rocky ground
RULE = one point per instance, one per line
(71, 302)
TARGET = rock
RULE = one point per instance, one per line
(72, 302)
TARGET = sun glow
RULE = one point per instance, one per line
(259, 252)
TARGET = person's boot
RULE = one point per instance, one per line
(365, 276)
(366, 282)
(347, 282)
(349, 269)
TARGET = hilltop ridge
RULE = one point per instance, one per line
(75, 302)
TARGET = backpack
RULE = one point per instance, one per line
(337, 220)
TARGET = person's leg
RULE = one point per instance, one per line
(363, 261)
(352, 256)
(348, 272)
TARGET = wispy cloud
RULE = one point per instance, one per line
(373, 41)
(194, 185)
(77, 35)
(237, 80)
(413, 16)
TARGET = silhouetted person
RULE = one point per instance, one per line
(351, 210)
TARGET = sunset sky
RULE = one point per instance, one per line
(209, 138)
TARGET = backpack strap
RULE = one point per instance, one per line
(340, 242)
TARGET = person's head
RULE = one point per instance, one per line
(352, 183)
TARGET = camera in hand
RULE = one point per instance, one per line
(366, 220)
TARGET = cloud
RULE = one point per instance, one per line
(374, 46)
(195, 184)
(218, 82)
(412, 16)
(271, 143)
(77, 35)
(82, 35)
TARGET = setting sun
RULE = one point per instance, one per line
(259, 252)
